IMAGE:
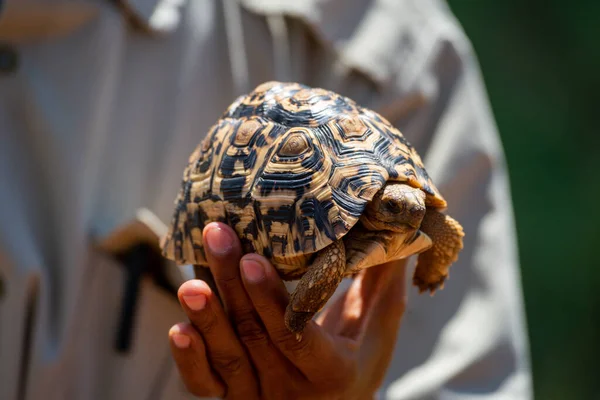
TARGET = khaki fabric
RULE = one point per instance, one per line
(97, 119)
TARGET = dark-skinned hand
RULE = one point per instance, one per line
(243, 350)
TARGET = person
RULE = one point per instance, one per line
(100, 105)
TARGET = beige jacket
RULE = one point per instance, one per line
(102, 101)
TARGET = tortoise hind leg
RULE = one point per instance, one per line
(316, 286)
(432, 265)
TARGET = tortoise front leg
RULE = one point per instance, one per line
(432, 265)
(316, 286)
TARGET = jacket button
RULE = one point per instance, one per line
(9, 59)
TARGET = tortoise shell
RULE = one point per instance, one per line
(291, 169)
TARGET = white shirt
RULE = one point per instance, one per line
(100, 105)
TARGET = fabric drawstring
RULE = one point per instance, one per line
(278, 29)
(281, 47)
(236, 47)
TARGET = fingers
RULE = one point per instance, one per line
(225, 353)
(315, 351)
(189, 352)
(224, 252)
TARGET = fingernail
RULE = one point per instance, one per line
(195, 302)
(181, 341)
(218, 240)
(253, 271)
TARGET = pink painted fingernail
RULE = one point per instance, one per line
(181, 341)
(253, 271)
(218, 241)
(195, 302)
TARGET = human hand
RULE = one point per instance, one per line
(243, 350)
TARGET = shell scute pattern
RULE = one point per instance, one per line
(291, 169)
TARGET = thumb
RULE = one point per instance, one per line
(374, 303)
(380, 335)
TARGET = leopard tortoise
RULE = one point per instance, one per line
(320, 186)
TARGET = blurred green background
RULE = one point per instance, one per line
(541, 65)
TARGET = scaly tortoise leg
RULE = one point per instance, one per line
(432, 265)
(316, 286)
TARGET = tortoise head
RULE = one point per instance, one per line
(397, 207)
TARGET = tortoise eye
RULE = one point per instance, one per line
(295, 145)
(393, 206)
